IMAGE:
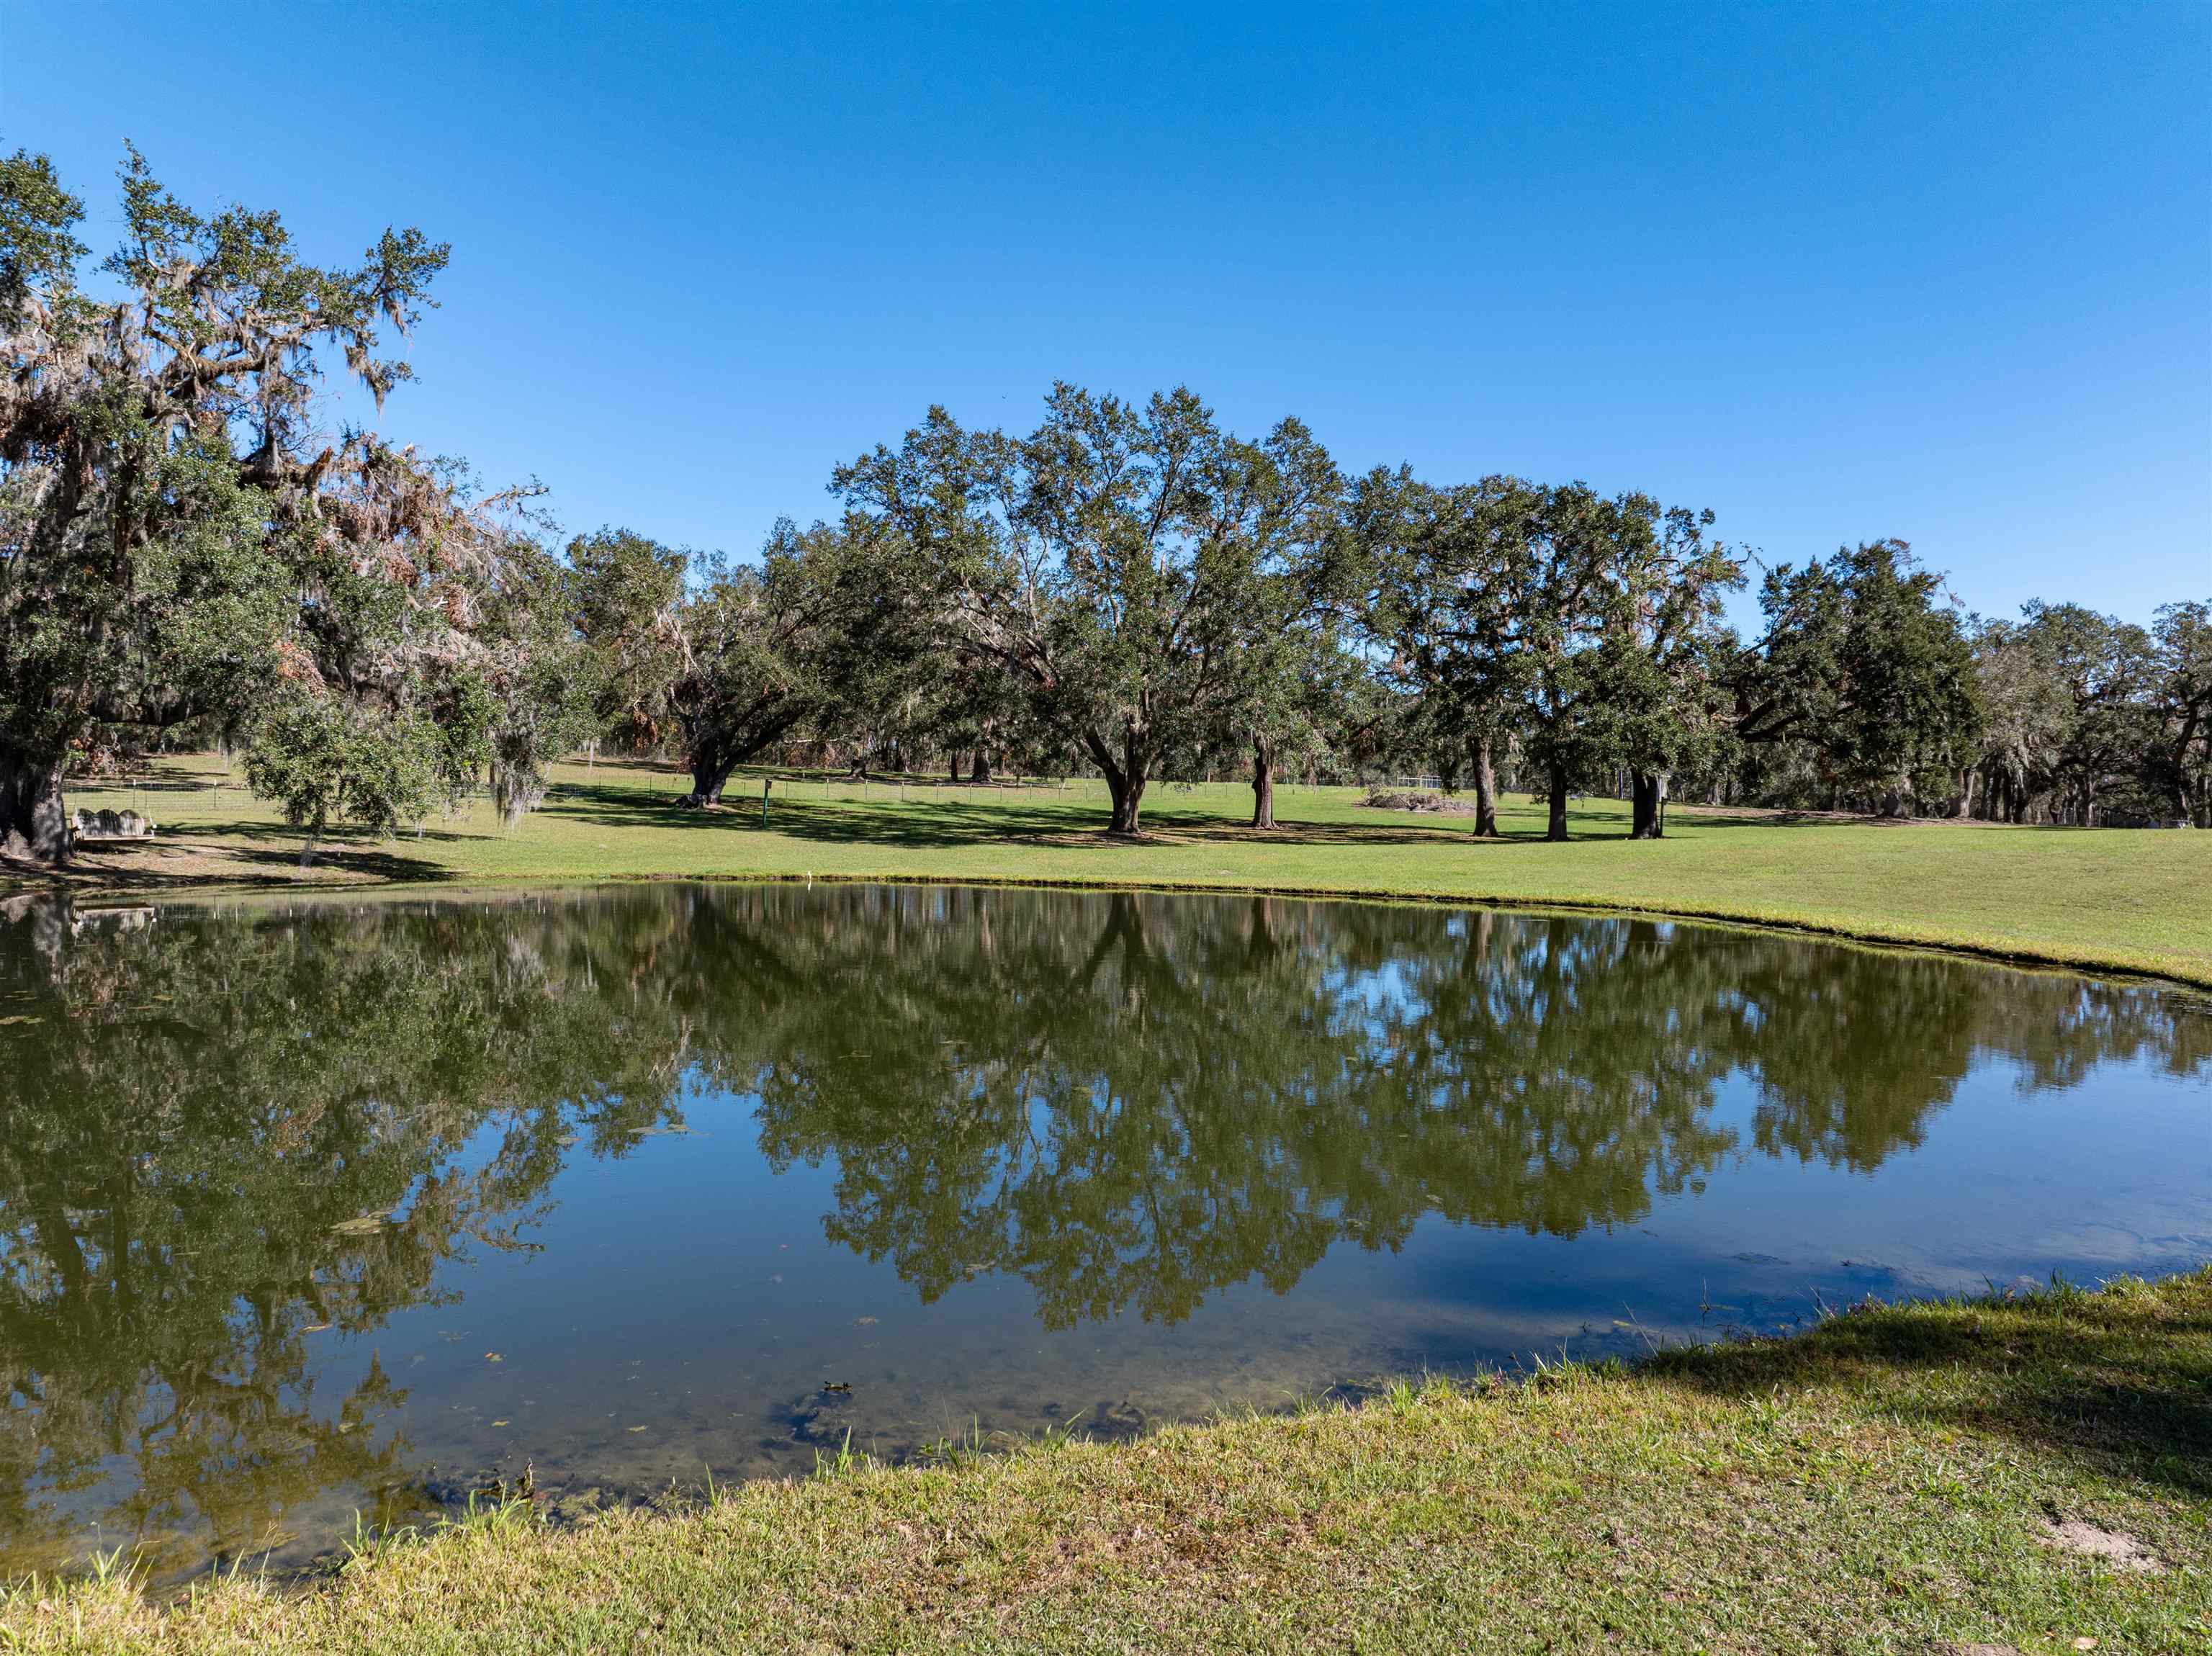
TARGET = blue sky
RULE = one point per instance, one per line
(1938, 272)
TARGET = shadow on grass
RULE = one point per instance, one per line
(230, 854)
(927, 823)
(1756, 816)
(2118, 1382)
(334, 841)
(366, 864)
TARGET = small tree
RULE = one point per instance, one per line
(322, 758)
(538, 677)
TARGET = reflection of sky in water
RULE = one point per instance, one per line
(673, 1302)
(688, 1288)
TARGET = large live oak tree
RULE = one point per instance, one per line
(179, 540)
(1660, 664)
(1435, 568)
(1584, 624)
(1118, 563)
(725, 660)
(2092, 715)
(2180, 764)
(1861, 661)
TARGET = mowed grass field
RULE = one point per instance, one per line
(2025, 1475)
(2028, 1476)
(2138, 901)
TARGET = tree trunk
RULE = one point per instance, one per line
(32, 820)
(2181, 765)
(953, 767)
(1128, 795)
(1556, 828)
(1263, 782)
(1486, 791)
(1124, 777)
(1646, 790)
(709, 773)
(982, 771)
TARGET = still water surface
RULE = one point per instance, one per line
(308, 1211)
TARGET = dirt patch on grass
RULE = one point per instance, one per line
(1418, 800)
(2115, 1547)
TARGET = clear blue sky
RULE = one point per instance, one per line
(1937, 271)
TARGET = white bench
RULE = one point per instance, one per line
(98, 827)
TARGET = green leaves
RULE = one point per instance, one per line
(1139, 572)
(325, 759)
(180, 546)
(1586, 627)
(628, 594)
(39, 248)
(1864, 664)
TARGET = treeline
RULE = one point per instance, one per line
(1129, 590)
(1135, 592)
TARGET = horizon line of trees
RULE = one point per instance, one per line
(1129, 590)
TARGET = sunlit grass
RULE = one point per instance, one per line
(2133, 901)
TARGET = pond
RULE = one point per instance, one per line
(310, 1210)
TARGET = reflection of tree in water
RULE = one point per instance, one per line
(1134, 1114)
(194, 1118)
(1128, 1101)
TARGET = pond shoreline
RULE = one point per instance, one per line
(1902, 938)
(2106, 900)
(2030, 1470)
(969, 1165)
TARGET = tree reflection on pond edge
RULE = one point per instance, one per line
(236, 1139)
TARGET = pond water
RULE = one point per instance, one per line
(313, 1210)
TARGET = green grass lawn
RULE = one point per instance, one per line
(1893, 1481)
(2133, 900)
(1897, 1479)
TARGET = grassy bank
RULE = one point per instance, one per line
(2134, 901)
(2022, 1473)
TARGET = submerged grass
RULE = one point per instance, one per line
(2131, 902)
(1927, 1477)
